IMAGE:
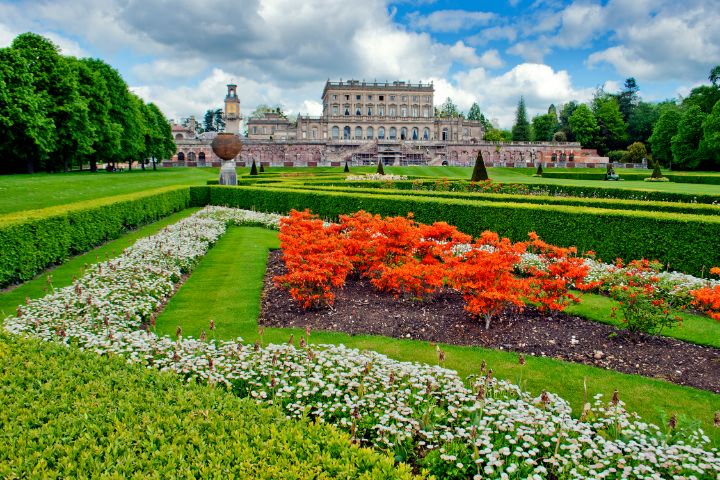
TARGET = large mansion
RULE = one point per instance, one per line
(363, 123)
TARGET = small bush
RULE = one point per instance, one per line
(380, 169)
(616, 155)
(635, 153)
(479, 172)
(347, 168)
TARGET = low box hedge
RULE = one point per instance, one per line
(687, 243)
(601, 191)
(30, 241)
(637, 176)
(73, 414)
(611, 203)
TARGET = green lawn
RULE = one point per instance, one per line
(62, 275)
(30, 192)
(226, 287)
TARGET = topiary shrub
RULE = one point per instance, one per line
(559, 137)
(539, 171)
(479, 172)
(635, 153)
(380, 169)
(262, 168)
(347, 168)
(253, 169)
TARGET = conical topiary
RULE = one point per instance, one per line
(347, 167)
(479, 172)
(262, 168)
(253, 169)
(539, 170)
(380, 169)
(656, 170)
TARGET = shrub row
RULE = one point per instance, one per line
(69, 414)
(553, 190)
(33, 240)
(685, 243)
(611, 203)
(637, 176)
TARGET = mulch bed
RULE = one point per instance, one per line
(360, 309)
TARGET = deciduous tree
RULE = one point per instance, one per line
(663, 132)
(685, 144)
(583, 125)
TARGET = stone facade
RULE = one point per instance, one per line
(363, 123)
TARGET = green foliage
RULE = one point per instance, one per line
(615, 156)
(627, 98)
(686, 150)
(543, 127)
(449, 109)
(380, 168)
(567, 110)
(521, 129)
(480, 173)
(495, 135)
(714, 76)
(583, 125)
(612, 131)
(32, 241)
(663, 132)
(641, 122)
(639, 175)
(686, 242)
(635, 153)
(474, 113)
(559, 136)
(656, 170)
(213, 120)
(711, 135)
(262, 168)
(704, 97)
(70, 414)
(253, 169)
(539, 170)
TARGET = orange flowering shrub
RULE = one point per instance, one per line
(707, 299)
(560, 269)
(314, 258)
(485, 276)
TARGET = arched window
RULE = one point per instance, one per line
(403, 133)
(201, 159)
(178, 136)
(445, 134)
(358, 132)
(426, 134)
(358, 112)
(370, 133)
(393, 133)
(346, 133)
(347, 111)
(335, 133)
(181, 159)
(414, 133)
(191, 157)
(403, 111)
(381, 133)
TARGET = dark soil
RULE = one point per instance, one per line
(360, 309)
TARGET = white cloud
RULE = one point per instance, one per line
(450, 20)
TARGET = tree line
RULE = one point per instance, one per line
(59, 113)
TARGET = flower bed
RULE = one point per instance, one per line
(423, 414)
(375, 177)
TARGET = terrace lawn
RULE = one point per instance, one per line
(227, 284)
(30, 192)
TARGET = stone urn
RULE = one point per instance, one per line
(227, 146)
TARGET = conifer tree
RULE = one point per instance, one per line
(479, 172)
(253, 169)
(539, 171)
(380, 169)
(521, 129)
(347, 167)
(262, 168)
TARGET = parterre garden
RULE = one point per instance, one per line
(190, 298)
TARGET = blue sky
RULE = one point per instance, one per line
(181, 54)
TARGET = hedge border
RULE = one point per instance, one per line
(570, 190)
(683, 242)
(40, 238)
(607, 203)
(695, 179)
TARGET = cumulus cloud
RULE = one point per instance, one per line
(450, 20)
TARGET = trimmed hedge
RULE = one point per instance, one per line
(611, 203)
(687, 243)
(70, 414)
(561, 190)
(677, 178)
(31, 241)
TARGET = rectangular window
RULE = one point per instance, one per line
(392, 111)
(254, 129)
(415, 98)
(347, 97)
(357, 97)
(392, 98)
(381, 110)
(335, 110)
(381, 97)
(426, 112)
(404, 98)
(369, 97)
(369, 111)
(334, 97)
(414, 111)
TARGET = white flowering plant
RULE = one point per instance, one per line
(424, 414)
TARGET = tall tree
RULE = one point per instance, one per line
(714, 76)
(474, 113)
(163, 145)
(27, 132)
(612, 133)
(627, 98)
(583, 125)
(209, 121)
(449, 109)
(711, 136)
(686, 150)
(704, 96)
(219, 120)
(663, 132)
(521, 129)
(565, 114)
(543, 127)
(641, 122)
(103, 133)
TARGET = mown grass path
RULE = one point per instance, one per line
(227, 284)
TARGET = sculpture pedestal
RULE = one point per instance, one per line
(228, 176)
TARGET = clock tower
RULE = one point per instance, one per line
(232, 110)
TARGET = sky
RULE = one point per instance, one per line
(180, 54)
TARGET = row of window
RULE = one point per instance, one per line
(392, 111)
(404, 98)
(392, 133)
